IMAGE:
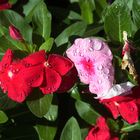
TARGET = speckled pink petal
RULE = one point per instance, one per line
(93, 61)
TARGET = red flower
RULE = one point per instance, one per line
(56, 67)
(19, 76)
(100, 131)
(15, 33)
(4, 4)
(127, 106)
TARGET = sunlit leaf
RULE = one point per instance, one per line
(40, 106)
(3, 117)
(86, 112)
(77, 28)
(117, 20)
(71, 130)
(45, 132)
(42, 20)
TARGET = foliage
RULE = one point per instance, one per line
(53, 26)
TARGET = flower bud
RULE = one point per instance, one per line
(15, 33)
(4, 4)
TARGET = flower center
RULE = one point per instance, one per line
(46, 64)
(88, 65)
(10, 74)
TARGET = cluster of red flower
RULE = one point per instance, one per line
(20, 76)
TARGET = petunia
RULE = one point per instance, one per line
(4, 4)
(15, 33)
(93, 61)
(126, 105)
(100, 132)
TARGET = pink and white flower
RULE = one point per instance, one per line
(93, 61)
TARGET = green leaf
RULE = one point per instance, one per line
(87, 7)
(129, 128)
(71, 130)
(42, 20)
(136, 12)
(9, 17)
(40, 106)
(127, 3)
(84, 133)
(46, 132)
(3, 117)
(29, 8)
(74, 16)
(117, 20)
(72, 1)
(77, 28)
(101, 5)
(47, 45)
(86, 112)
(5, 102)
(52, 113)
(75, 93)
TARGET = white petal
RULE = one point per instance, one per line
(117, 89)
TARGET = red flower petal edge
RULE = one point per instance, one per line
(100, 131)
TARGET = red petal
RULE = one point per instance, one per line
(129, 111)
(113, 109)
(18, 90)
(68, 81)
(33, 76)
(6, 60)
(60, 64)
(52, 82)
(34, 59)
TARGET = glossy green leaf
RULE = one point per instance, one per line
(101, 5)
(127, 3)
(52, 113)
(71, 130)
(9, 17)
(46, 132)
(40, 106)
(136, 12)
(75, 93)
(29, 8)
(117, 20)
(129, 128)
(42, 20)
(87, 7)
(74, 16)
(84, 132)
(3, 117)
(77, 28)
(47, 45)
(72, 1)
(86, 112)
